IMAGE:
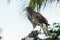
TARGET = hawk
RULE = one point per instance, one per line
(37, 19)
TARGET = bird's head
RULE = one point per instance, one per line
(28, 9)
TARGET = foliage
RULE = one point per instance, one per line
(54, 33)
(38, 3)
(0, 37)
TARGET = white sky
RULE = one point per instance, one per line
(14, 22)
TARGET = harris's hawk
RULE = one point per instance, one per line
(36, 18)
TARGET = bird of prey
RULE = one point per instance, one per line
(36, 18)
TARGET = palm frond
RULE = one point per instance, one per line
(38, 3)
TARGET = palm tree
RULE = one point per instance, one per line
(38, 3)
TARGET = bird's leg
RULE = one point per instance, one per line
(34, 25)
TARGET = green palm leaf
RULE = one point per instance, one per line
(38, 3)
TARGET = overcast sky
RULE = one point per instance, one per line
(14, 22)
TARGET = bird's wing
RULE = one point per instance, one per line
(38, 15)
(41, 17)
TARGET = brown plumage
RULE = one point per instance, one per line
(37, 19)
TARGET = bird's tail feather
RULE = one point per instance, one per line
(48, 24)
